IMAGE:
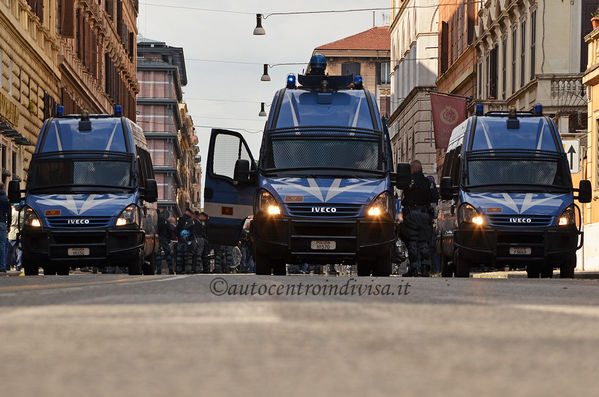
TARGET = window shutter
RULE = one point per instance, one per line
(68, 18)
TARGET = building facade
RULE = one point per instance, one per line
(366, 54)
(457, 55)
(166, 122)
(590, 167)
(414, 67)
(529, 52)
(70, 52)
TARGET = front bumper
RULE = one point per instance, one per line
(290, 238)
(492, 246)
(107, 247)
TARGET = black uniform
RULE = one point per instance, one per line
(417, 228)
(200, 247)
(185, 245)
(166, 234)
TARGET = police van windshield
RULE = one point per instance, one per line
(321, 155)
(533, 134)
(346, 109)
(518, 174)
(68, 175)
(64, 135)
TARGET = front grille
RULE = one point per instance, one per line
(324, 229)
(79, 222)
(520, 220)
(78, 239)
(316, 210)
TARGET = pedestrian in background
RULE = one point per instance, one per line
(5, 221)
(164, 247)
(185, 247)
(417, 227)
(14, 252)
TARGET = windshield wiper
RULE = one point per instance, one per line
(75, 187)
(519, 186)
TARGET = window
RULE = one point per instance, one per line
(0, 69)
(385, 77)
(461, 28)
(480, 79)
(514, 55)
(487, 74)
(493, 75)
(503, 66)
(533, 43)
(451, 41)
(523, 53)
(350, 68)
(227, 150)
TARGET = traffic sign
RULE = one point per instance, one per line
(572, 149)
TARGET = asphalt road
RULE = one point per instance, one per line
(107, 335)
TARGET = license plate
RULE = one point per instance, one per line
(323, 245)
(78, 251)
(520, 251)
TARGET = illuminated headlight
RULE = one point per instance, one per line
(469, 214)
(128, 216)
(265, 202)
(570, 217)
(31, 219)
(380, 205)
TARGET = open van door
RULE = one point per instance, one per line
(230, 186)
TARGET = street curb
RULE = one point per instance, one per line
(522, 274)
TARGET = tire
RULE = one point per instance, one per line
(446, 268)
(383, 266)
(364, 268)
(149, 267)
(279, 269)
(462, 267)
(31, 270)
(533, 271)
(136, 266)
(262, 265)
(49, 270)
(566, 270)
(63, 270)
(547, 271)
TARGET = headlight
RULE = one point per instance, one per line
(128, 216)
(267, 203)
(469, 214)
(380, 205)
(570, 217)
(31, 219)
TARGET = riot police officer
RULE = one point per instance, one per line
(418, 212)
(185, 245)
(166, 234)
(200, 264)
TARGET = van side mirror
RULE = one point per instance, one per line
(446, 188)
(14, 191)
(585, 191)
(403, 176)
(242, 172)
(151, 191)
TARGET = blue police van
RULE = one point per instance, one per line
(507, 197)
(90, 197)
(322, 190)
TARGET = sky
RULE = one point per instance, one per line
(228, 95)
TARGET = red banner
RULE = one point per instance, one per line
(448, 113)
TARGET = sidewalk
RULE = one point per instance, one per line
(522, 274)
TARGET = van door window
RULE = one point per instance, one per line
(227, 150)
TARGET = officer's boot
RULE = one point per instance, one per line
(188, 260)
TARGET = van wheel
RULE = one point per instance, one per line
(136, 266)
(446, 267)
(49, 270)
(31, 270)
(262, 265)
(149, 267)
(532, 270)
(462, 267)
(383, 265)
(279, 268)
(364, 268)
(62, 270)
(566, 270)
